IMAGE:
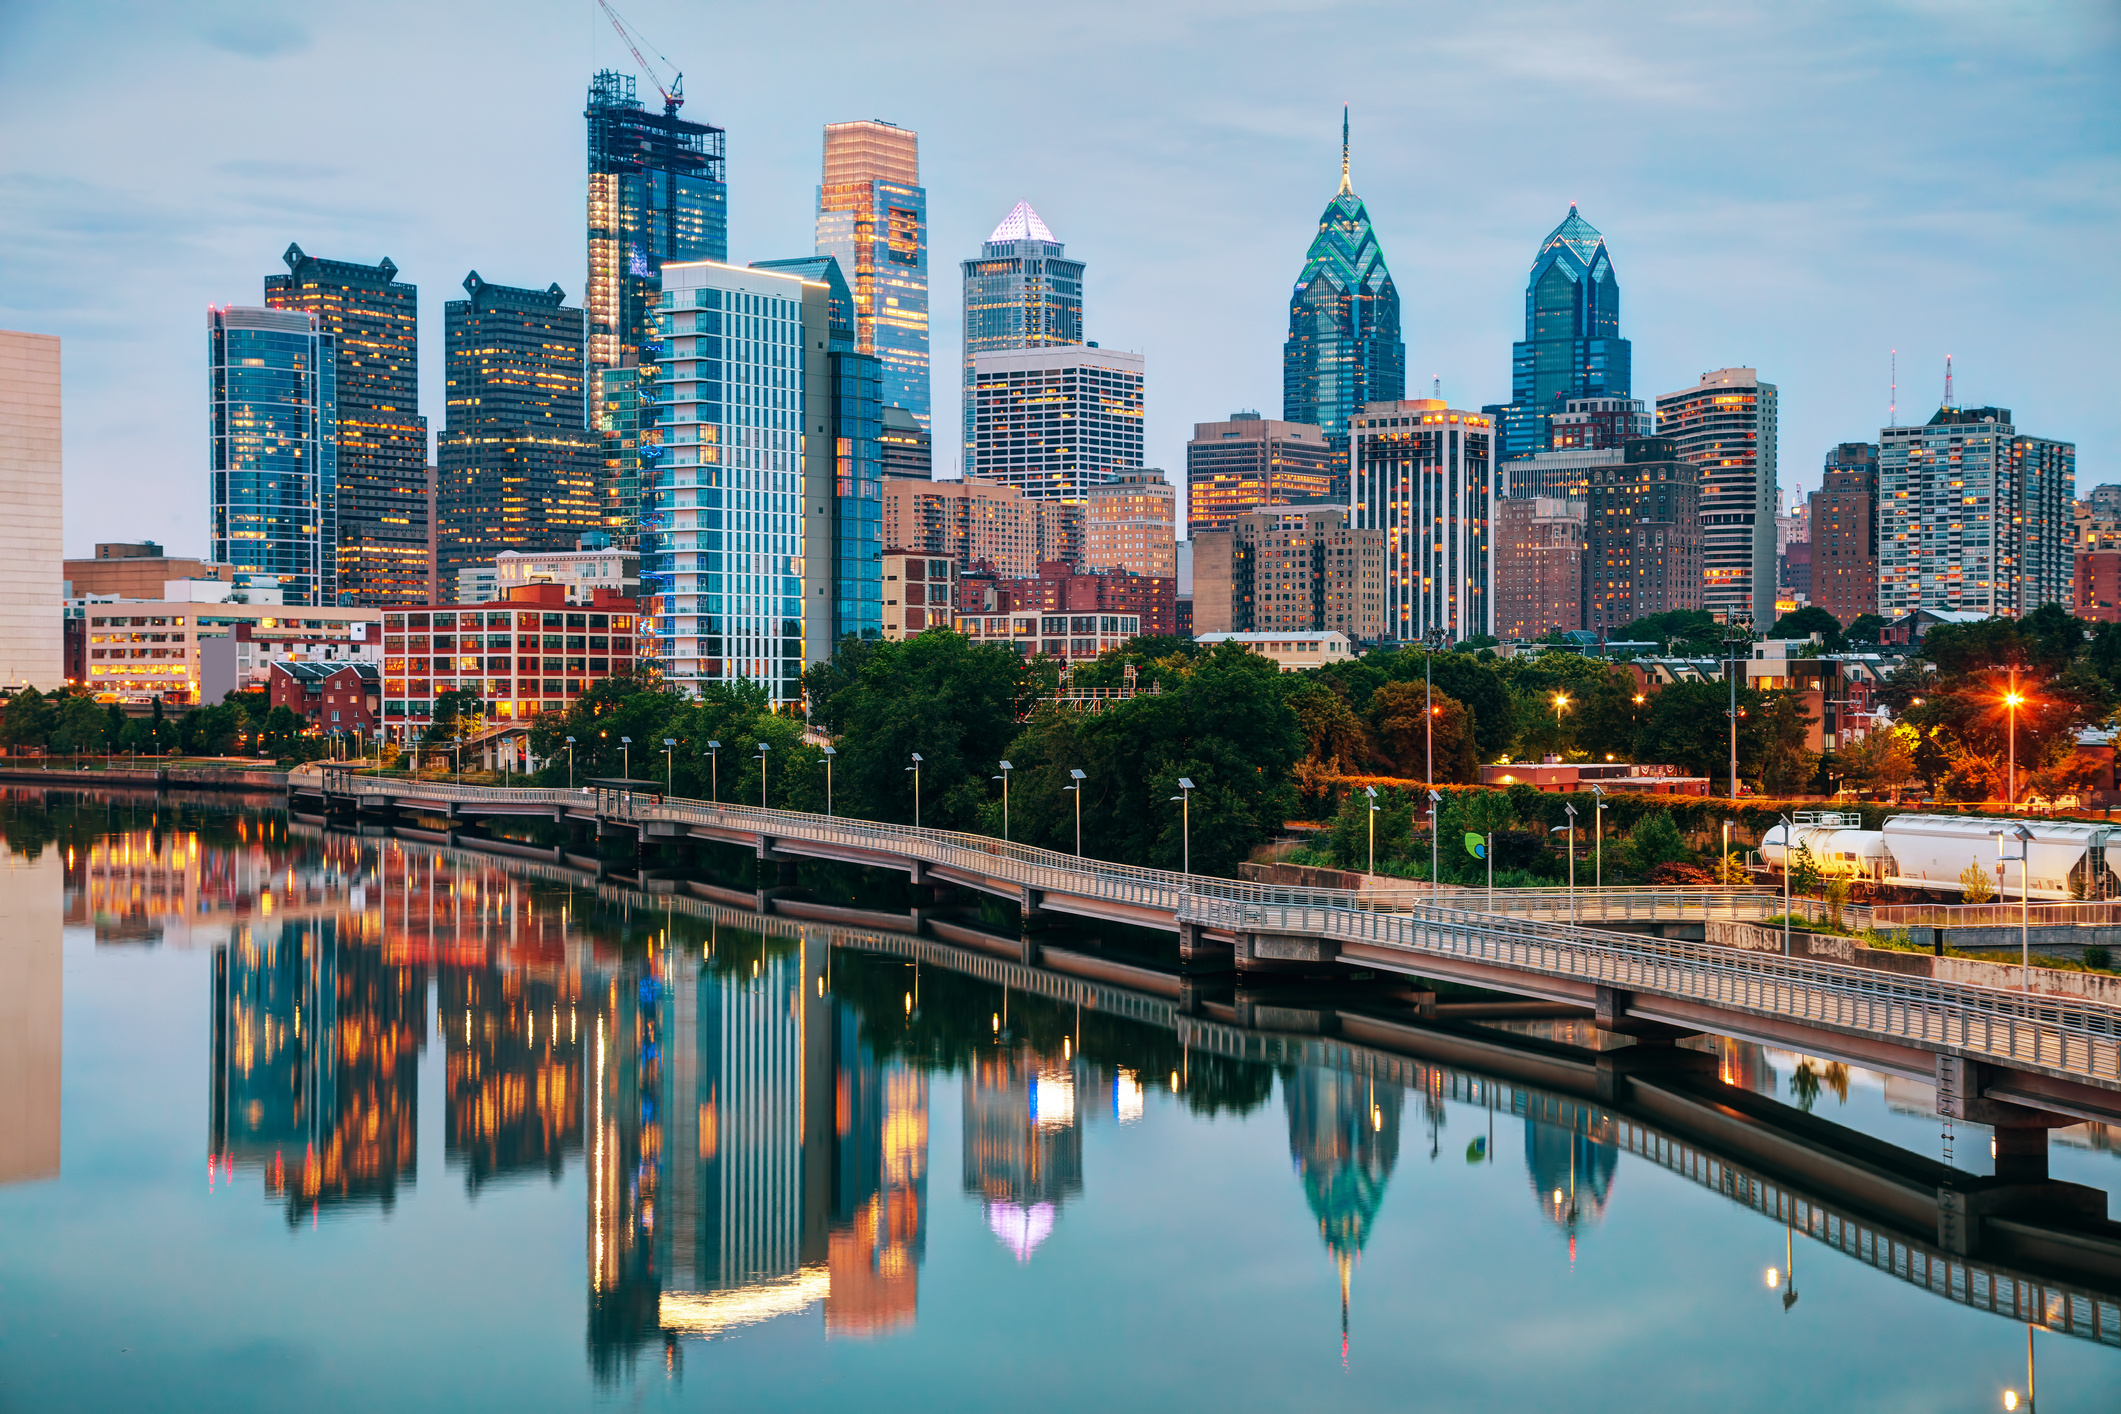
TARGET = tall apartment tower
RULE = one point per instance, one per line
(872, 216)
(1973, 515)
(518, 469)
(1572, 346)
(1844, 524)
(273, 497)
(30, 508)
(743, 589)
(1021, 292)
(1643, 537)
(1054, 421)
(1251, 462)
(373, 320)
(1538, 566)
(1291, 569)
(658, 192)
(983, 526)
(1423, 472)
(1131, 523)
(1726, 425)
(1344, 349)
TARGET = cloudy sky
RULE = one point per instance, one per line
(1801, 187)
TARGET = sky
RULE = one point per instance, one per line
(1801, 188)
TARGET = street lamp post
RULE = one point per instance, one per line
(916, 769)
(1725, 871)
(1789, 862)
(1435, 858)
(2012, 701)
(626, 757)
(1730, 671)
(829, 754)
(763, 749)
(2025, 895)
(714, 771)
(1598, 835)
(1004, 779)
(1185, 823)
(1561, 704)
(670, 777)
(1078, 778)
(1371, 791)
(570, 763)
(1571, 809)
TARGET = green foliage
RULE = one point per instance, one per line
(1656, 840)
(1692, 631)
(1975, 885)
(1416, 725)
(1476, 683)
(737, 714)
(1863, 630)
(1804, 870)
(28, 719)
(457, 713)
(1348, 837)
(1807, 621)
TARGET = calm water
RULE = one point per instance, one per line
(297, 1122)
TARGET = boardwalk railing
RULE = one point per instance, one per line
(2063, 1036)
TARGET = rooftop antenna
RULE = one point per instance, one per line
(1345, 189)
(1947, 380)
(1892, 407)
(1436, 386)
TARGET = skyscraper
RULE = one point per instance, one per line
(273, 500)
(1572, 346)
(1251, 462)
(657, 193)
(1344, 349)
(1538, 566)
(1054, 421)
(1844, 517)
(1021, 292)
(872, 216)
(1130, 523)
(1642, 551)
(1424, 474)
(1726, 424)
(30, 493)
(518, 470)
(373, 320)
(1973, 515)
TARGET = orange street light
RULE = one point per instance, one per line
(2011, 702)
(1561, 704)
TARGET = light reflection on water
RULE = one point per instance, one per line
(741, 1119)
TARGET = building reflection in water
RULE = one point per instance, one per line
(31, 997)
(1023, 1141)
(879, 1185)
(1572, 1173)
(1344, 1140)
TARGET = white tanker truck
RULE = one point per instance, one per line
(2068, 858)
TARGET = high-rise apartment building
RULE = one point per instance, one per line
(1250, 462)
(1054, 421)
(1344, 349)
(743, 590)
(1539, 547)
(1844, 538)
(1131, 523)
(1726, 424)
(1973, 515)
(1565, 473)
(373, 320)
(907, 448)
(981, 525)
(1291, 569)
(1572, 347)
(272, 493)
(1642, 537)
(30, 512)
(1020, 292)
(872, 216)
(1423, 473)
(518, 468)
(1596, 423)
(658, 192)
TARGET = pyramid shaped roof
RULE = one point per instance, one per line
(1579, 235)
(1021, 224)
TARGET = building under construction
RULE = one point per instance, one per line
(657, 193)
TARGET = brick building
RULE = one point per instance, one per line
(920, 593)
(1643, 537)
(1843, 576)
(2096, 585)
(1291, 569)
(1152, 600)
(529, 653)
(330, 696)
(1539, 548)
(980, 523)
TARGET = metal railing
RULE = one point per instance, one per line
(2062, 1035)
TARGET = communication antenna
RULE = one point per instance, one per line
(1947, 380)
(1436, 386)
(1892, 407)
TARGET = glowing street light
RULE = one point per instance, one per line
(829, 754)
(2012, 701)
(1078, 777)
(1185, 822)
(1007, 767)
(714, 767)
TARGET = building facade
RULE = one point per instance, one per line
(1643, 537)
(31, 510)
(1344, 349)
(1071, 638)
(1054, 421)
(1727, 425)
(2096, 585)
(1423, 473)
(872, 217)
(1059, 587)
(1973, 516)
(1021, 291)
(1539, 563)
(1572, 347)
(373, 320)
(1590, 424)
(658, 192)
(906, 448)
(331, 697)
(982, 525)
(1291, 569)
(1250, 462)
(272, 498)
(518, 468)
(531, 653)
(1844, 533)
(1565, 474)
(135, 571)
(920, 593)
(581, 573)
(1131, 523)
(193, 652)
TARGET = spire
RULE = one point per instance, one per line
(1021, 224)
(1345, 189)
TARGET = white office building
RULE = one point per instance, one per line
(1056, 420)
(1423, 472)
(31, 568)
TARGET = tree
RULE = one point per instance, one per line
(1882, 760)
(1349, 839)
(79, 727)
(456, 713)
(28, 720)
(1656, 840)
(1786, 766)
(1974, 885)
(1863, 629)
(1693, 630)
(1404, 715)
(1807, 621)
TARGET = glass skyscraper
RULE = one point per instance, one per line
(1021, 292)
(872, 217)
(1572, 346)
(658, 193)
(1344, 347)
(273, 484)
(373, 320)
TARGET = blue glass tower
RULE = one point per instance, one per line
(1572, 346)
(273, 490)
(1344, 347)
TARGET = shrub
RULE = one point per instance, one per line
(2099, 957)
(1656, 840)
(1673, 874)
(1974, 885)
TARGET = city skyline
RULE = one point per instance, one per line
(1840, 264)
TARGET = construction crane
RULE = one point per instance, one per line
(673, 96)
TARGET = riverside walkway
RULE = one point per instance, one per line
(2018, 1060)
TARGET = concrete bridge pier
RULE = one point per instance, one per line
(783, 873)
(1197, 952)
(1656, 1049)
(1283, 952)
(2021, 1184)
